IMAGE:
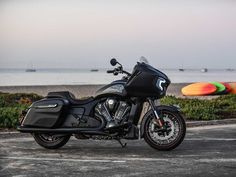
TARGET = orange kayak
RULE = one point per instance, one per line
(199, 89)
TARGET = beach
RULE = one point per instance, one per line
(78, 90)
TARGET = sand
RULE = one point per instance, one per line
(77, 90)
(84, 90)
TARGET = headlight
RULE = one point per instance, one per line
(160, 84)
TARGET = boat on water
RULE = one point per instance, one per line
(30, 70)
(229, 69)
(204, 70)
(181, 69)
(94, 70)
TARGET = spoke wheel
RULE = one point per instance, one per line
(169, 137)
(51, 141)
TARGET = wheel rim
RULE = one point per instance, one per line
(164, 138)
(49, 138)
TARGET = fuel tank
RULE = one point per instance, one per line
(116, 88)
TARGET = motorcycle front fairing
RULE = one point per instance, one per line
(146, 81)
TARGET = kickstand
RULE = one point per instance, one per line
(123, 145)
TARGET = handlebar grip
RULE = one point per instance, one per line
(115, 73)
(110, 71)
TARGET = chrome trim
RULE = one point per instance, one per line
(46, 106)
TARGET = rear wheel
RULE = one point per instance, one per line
(168, 138)
(51, 141)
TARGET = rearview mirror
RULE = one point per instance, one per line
(113, 62)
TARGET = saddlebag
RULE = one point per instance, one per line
(46, 113)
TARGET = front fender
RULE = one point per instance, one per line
(159, 108)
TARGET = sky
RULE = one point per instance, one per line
(87, 33)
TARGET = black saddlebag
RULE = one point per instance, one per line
(46, 113)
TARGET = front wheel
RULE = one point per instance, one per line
(51, 141)
(169, 137)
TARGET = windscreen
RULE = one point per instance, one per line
(143, 60)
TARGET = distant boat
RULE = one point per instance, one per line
(30, 70)
(94, 70)
(204, 70)
(229, 69)
(181, 69)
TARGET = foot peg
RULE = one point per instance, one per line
(123, 145)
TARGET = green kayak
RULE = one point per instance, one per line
(220, 88)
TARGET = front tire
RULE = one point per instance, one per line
(51, 141)
(160, 140)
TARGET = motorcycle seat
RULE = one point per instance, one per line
(70, 97)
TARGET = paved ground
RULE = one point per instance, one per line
(206, 151)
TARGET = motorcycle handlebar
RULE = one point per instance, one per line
(110, 71)
(116, 71)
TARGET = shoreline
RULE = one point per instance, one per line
(77, 90)
(87, 90)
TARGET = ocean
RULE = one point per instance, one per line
(19, 77)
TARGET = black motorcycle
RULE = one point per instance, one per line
(113, 113)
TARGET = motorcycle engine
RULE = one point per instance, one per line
(112, 109)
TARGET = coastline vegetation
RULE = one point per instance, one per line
(223, 107)
(11, 106)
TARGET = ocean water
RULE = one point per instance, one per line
(17, 77)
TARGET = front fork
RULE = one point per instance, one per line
(159, 118)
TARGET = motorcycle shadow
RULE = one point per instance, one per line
(103, 148)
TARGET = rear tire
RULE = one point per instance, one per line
(175, 136)
(50, 141)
